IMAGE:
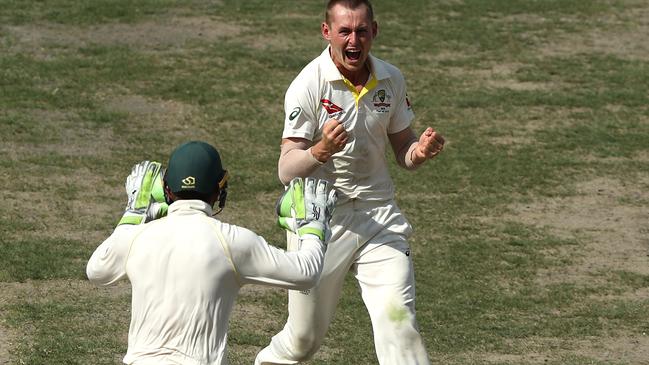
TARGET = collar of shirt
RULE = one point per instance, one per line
(183, 207)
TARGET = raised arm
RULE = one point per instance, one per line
(144, 203)
(107, 264)
(299, 157)
(411, 152)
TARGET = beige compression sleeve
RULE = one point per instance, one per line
(404, 157)
(295, 160)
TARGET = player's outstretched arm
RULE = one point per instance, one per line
(305, 208)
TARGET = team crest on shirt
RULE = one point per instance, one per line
(381, 100)
(330, 107)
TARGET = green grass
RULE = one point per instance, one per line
(68, 331)
(530, 229)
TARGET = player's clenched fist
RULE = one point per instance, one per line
(430, 145)
(334, 139)
(334, 135)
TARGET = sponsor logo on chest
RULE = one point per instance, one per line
(331, 108)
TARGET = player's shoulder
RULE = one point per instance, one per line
(310, 73)
(384, 69)
(307, 82)
(231, 231)
(319, 68)
(153, 226)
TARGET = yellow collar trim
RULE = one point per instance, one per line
(371, 84)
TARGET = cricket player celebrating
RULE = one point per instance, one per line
(341, 111)
(186, 268)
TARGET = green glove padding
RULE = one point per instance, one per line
(306, 208)
(145, 194)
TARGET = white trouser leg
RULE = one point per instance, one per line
(386, 279)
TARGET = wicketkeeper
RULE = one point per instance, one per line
(186, 267)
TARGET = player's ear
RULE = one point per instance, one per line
(222, 191)
(223, 194)
(326, 31)
(169, 196)
(375, 28)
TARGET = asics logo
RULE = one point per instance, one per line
(295, 113)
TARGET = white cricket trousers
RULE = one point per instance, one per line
(370, 239)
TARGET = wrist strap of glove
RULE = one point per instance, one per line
(316, 231)
(130, 218)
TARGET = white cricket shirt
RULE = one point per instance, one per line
(186, 270)
(320, 93)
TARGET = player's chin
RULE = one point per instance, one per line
(354, 64)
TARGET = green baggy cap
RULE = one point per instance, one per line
(194, 166)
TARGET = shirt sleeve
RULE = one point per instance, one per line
(402, 114)
(107, 264)
(300, 109)
(257, 262)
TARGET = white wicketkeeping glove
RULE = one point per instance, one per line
(145, 194)
(306, 208)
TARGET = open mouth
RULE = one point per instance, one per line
(353, 55)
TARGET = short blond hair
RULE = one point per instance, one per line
(350, 4)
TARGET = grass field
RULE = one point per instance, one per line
(531, 234)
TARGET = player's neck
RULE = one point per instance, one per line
(357, 78)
